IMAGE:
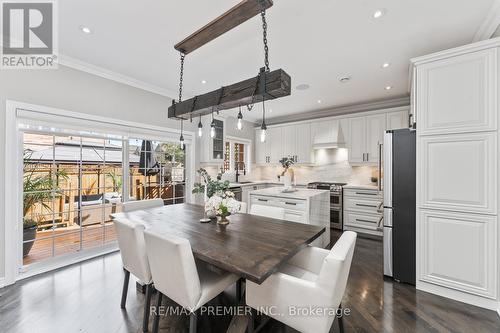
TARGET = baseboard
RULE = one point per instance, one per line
(486, 303)
(2, 282)
(498, 310)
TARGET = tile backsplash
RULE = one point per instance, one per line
(330, 165)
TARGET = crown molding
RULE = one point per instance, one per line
(342, 110)
(111, 75)
(489, 24)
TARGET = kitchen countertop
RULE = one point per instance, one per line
(361, 187)
(261, 182)
(301, 193)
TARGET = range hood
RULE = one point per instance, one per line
(328, 134)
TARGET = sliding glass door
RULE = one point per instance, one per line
(71, 185)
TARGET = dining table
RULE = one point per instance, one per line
(250, 246)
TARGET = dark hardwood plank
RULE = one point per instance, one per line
(278, 84)
(252, 247)
(85, 297)
(232, 18)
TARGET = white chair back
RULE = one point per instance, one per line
(141, 204)
(173, 267)
(268, 211)
(130, 236)
(336, 265)
(243, 207)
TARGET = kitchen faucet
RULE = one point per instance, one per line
(237, 166)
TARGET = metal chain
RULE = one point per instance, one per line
(181, 77)
(266, 53)
(264, 38)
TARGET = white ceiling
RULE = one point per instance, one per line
(316, 42)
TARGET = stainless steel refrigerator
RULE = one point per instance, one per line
(400, 205)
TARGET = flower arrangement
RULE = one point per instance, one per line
(286, 162)
(210, 185)
(222, 204)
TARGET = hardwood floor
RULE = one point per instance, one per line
(85, 297)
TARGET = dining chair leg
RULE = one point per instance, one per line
(251, 322)
(147, 306)
(125, 288)
(341, 319)
(156, 320)
(238, 290)
(192, 322)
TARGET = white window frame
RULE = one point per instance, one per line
(42, 118)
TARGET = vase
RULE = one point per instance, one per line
(222, 219)
(288, 178)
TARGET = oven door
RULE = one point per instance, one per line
(336, 218)
(335, 200)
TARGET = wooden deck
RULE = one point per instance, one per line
(67, 240)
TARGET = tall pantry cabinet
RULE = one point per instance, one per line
(455, 98)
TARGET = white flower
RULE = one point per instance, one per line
(219, 204)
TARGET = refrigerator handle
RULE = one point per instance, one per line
(380, 145)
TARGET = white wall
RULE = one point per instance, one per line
(76, 91)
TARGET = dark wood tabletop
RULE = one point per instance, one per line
(251, 246)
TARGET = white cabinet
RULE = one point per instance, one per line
(458, 94)
(459, 172)
(375, 129)
(322, 131)
(270, 151)
(357, 140)
(455, 96)
(274, 145)
(365, 134)
(304, 148)
(459, 251)
(288, 139)
(397, 120)
(363, 211)
(212, 149)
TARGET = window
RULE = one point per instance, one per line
(235, 156)
(157, 171)
(71, 185)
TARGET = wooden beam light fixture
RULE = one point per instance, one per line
(266, 85)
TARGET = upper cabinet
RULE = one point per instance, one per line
(270, 151)
(365, 135)
(398, 120)
(304, 151)
(212, 148)
(457, 94)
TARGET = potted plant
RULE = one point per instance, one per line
(222, 204)
(209, 186)
(36, 189)
(287, 174)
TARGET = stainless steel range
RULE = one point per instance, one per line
(336, 205)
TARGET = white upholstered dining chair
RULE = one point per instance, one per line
(243, 207)
(130, 236)
(189, 285)
(141, 204)
(268, 211)
(314, 278)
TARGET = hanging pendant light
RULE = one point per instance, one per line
(212, 126)
(181, 139)
(240, 120)
(263, 127)
(200, 128)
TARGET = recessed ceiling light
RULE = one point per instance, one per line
(320, 101)
(302, 86)
(203, 81)
(345, 79)
(385, 65)
(85, 30)
(379, 13)
(388, 87)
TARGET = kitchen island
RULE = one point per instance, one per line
(306, 206)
